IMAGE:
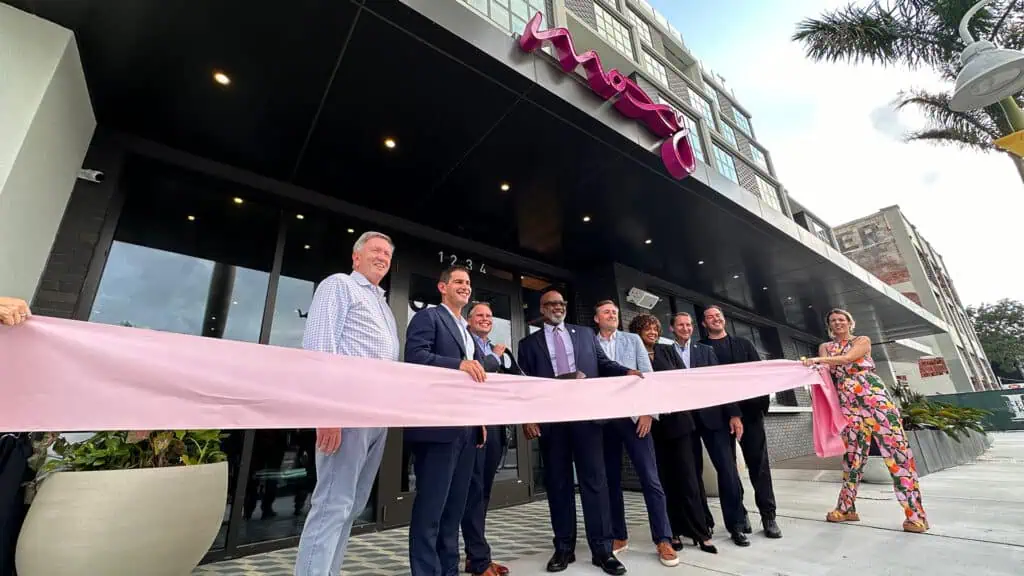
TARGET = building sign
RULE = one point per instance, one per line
(630, 100)
(930, 367)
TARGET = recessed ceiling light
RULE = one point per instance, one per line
(700, 262)
(764, 288)
(299, 217)
(648, 241)
(390, 143)
(351, 231)
(306, 247)
(811, 307)
(237, 200)
(586, 218)
(191, 218)
(221, 78)
(505, 187)
(789, 298)
(735, 276)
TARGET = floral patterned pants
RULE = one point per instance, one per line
(870, 414)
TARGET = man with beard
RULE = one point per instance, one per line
(497, 358)
(754, 441)
(443, 457)
(563, 350)
(349, 316)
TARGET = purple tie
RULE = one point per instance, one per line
(561, 356)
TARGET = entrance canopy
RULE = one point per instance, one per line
(426, 111)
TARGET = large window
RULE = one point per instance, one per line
(701, 104)
(654, 67)
(612, 30)
(691, 125)
(714, 97)
(769, 194)
(742, 121)
(725, 164)
(512, 15)
(728, 134)
(643, 29)
(758, 157)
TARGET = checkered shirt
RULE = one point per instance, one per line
(349, 316)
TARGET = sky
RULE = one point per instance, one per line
(836, 141)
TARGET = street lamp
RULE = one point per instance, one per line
(990, 75)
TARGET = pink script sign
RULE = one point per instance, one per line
(676, 153)
(63, 375)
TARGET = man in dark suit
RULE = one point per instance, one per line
(497, 357)
(443, 458)
(754, 441)
(715, 426)
(563, 350)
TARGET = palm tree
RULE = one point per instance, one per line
(916, 34)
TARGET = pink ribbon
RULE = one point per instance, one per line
(62, 375)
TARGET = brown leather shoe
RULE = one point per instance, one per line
(619, 546)
(667, 555)
(494, 569)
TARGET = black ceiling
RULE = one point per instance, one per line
(317, 86)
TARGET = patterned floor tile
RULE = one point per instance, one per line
(514, 532)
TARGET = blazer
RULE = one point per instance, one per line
(675, 424)
(535, 360)
(491, 363)
(434, 339)
(743, 351)
(630, 351)
(712, 417)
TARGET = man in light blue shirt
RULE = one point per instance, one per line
(634, 433)
(349, 316)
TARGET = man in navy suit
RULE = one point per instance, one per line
(443, 458)
(563, 350)
(716, 426)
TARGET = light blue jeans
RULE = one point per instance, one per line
(344, 481)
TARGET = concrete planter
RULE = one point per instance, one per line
(933, 451)
(153, 521)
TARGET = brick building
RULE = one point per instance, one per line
(890, 247)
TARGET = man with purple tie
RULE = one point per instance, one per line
(563, 350)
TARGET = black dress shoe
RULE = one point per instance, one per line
(610, 564)
(771, 529)
(709, 548)
(560, 561)
(740, 539)
(677, 544)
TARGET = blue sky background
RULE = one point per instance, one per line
(836, 141)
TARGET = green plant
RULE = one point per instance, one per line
(954, 421)
(121, 450)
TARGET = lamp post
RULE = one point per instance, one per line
(990, 75)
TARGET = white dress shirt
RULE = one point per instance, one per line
(467, 339)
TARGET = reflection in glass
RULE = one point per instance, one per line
(188, 259)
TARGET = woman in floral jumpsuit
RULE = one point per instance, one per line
(869, 413)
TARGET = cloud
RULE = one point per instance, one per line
(886, 119)
(930, 177)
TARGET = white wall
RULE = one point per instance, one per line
(46, 124)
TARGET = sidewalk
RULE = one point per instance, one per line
(976, 513)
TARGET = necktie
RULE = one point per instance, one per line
(561, 356)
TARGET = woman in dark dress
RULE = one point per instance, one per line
(673, 448)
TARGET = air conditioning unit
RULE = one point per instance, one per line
(642, 298)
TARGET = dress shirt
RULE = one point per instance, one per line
(467, 338)
(684, 352)
(349, 316)
(485, 346)
(608, 345)
(549, 337)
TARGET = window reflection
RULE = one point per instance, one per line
(188, 258)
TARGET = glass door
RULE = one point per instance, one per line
(414, 282)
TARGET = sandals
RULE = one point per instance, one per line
(918, 527)
(838, 516)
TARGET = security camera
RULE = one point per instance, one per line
(92, 175)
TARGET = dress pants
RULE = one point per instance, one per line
(443, 472)
(754, 444)
(561, 445)
(684, 492)
(622, 432)
(730, 490)
(344, 481)
(478, 551)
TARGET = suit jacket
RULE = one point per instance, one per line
(630, 351)
(492, 364)
(675, 424)
(535, 360)
(434, 339)
(743, 351)
(712, 417)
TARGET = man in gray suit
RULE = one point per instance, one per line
(634, 433)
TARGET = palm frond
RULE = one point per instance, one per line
(961, 139)
(977, 123)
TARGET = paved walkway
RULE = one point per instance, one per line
(976, 512)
